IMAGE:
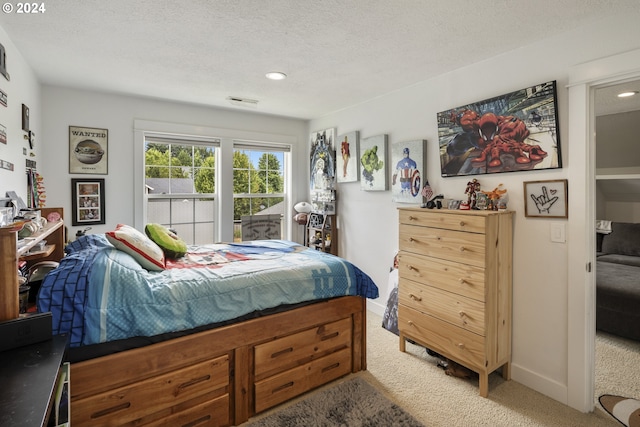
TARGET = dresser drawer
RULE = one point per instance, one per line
(281, 387)
(459, 344)
(457, 246)
(443, 219)
(452, 308)
(129, 403)
(297, 349)
(450, 276)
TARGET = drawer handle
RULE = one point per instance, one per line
(330, 367)
(461, 345)
(411, 239)
(282, 387)
(125, 405)
(199, 421)
(194, 382)
(410, 267)
(462, 281)
(462, 224)
(462, 313)
(412, 218)
(281, 352)
(410, 323)
(330, 336)
(415, 297)
(462, 249)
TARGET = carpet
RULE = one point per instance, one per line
(623, 409)
(352, 403)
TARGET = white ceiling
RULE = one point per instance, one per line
(337, 53)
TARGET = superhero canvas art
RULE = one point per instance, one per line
(408, 171)
(514, 132)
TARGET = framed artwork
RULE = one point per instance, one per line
(347, 162)
(409, 172)
(88, 150)
(373, 163)
(509, 133)
(322, 178)
(546, 199)
(87, 201)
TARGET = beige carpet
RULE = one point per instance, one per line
(415, 382)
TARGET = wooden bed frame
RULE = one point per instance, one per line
(223, 376)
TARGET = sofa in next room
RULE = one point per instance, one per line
(618, 279)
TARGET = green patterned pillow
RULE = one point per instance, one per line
(172, 245)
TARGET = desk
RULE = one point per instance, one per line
(28, 378)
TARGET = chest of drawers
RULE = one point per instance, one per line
(454, 291)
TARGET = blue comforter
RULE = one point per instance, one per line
(101, 294)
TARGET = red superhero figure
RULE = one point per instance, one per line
(499, 135)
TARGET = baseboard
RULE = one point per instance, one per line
(539, 383)
(375, 307)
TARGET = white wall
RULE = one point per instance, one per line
(23, 88)
(368, 221)
(69, 107)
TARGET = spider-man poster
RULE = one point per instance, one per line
(509, 133)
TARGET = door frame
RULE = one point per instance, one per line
(583, 80)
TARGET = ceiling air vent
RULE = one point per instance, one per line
(243, 102)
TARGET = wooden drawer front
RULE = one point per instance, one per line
(128, 403)
(456, 309)
(457, 246)
(451, 276)
(288, 384)
(214, 413)
(463, 346)
(297, 349)
(439, 219)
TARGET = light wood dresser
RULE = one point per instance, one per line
(455, 286)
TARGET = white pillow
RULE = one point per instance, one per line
(127, 239)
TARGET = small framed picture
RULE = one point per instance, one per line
(546, 199)
(88, 150)
(88, 201)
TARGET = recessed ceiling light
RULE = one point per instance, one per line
(276, 75)
(627, 94)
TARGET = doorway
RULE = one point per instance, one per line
(617, 198)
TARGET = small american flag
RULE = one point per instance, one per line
(427, 192)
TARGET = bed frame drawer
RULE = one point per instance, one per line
(211, 413)
(130, 403)
(297, 349)
(288, 384)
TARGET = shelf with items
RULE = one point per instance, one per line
(52, 232)
(322, 232)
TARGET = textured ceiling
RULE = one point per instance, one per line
(337, 53)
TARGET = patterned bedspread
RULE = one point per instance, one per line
(101, 294)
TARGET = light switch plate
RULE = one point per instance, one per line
(558, 232)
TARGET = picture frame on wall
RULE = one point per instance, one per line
(546, 199)
(87, 201)
(88, 150)
(347, 169)
(514, 132)
(409, 170)
(374, 163)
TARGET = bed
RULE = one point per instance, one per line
(213, 338)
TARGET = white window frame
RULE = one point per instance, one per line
(224, 168)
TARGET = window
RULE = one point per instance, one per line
(180, 186)
(259, 186)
